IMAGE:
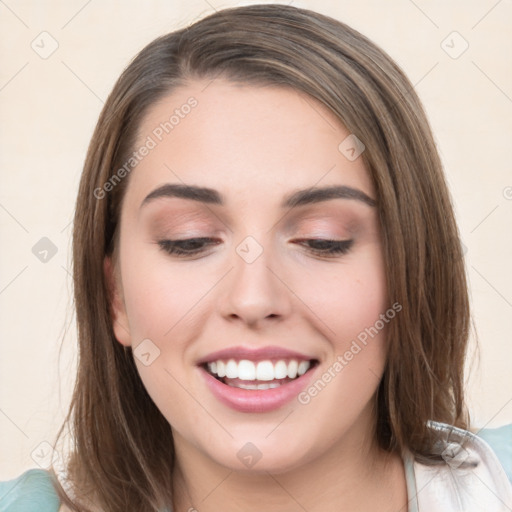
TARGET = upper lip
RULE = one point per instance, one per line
(254, 354)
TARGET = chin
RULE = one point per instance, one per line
(258, 455)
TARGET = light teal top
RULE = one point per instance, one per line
(34, 492)
(31, 492)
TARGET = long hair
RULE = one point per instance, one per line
(122, 445)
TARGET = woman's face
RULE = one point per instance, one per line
(265, 183)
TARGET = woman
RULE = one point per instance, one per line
(270, 290)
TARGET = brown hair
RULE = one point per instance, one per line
(123, 448)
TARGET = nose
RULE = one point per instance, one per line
(254, 292)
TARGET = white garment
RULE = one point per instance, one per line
(471, 479)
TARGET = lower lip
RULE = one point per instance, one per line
(256, 400)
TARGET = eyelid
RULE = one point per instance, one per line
(175, 243)
(329, 248)
(335, 249)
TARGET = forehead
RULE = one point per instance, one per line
(245, 140)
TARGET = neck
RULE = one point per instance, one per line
(353, 475)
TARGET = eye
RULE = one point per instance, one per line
(188, 246)
(327, 247)
(194, 246)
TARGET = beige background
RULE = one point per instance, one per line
(49, 107)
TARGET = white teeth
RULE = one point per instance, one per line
(262, 370)
(303, 367)
(221, 369)
(292, 369)
(280, 370)
(270, 385)
(246, 370)
(231, 369)
(265, 370)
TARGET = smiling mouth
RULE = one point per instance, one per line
(260, 375)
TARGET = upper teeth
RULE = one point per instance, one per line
(263, 370)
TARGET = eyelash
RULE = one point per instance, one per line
(327, 247)
(177, 247)
(330, 247)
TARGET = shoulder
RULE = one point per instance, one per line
(500, 440)
(32, 491)
(470, 476)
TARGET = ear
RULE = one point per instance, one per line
(118, 314)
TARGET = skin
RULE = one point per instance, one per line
(256, 145)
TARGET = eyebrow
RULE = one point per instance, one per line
(316, 195)
(298, 198)
(203, 194)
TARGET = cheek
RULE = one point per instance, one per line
(160, 308)
(350, 301)
(157, 296)
(347, 298)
